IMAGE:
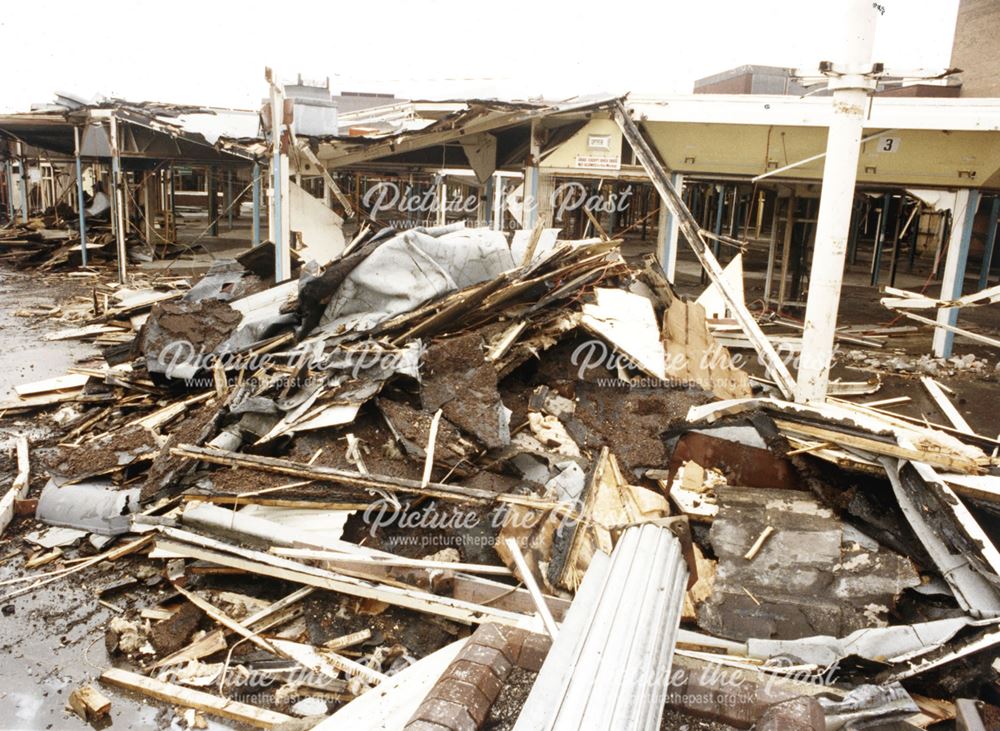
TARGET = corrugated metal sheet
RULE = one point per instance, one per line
(609, 666)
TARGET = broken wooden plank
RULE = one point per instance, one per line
(759, 543)
(946, 406)
(532, 586)
(83, 332)
(952, 329)
(156, 419)
(875, 446)
(887, 401)
(357, 479)
(695, 354)
(211, 643)
(346, 557)
(354, 638)
(89, 703)
(183, 543)
(390, 704)
(38, 401)
(304, 148)
(42, 559)
(904, 299)
(43, 579)
(429, 452)
(326, 662)
(979, 439)
(225, 620)
(856, 426)
(178, 695)
(19, 487)
(69, 382)
(502, 344)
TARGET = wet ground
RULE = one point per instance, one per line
(51, 640)
(26, 357)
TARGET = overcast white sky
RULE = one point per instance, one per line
(214, 53)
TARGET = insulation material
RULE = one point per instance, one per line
(413, 268)
(320, 230)
(628, 322)
(712, 299)
(522, 238)
(91, 506)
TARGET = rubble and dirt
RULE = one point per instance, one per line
(324, 496)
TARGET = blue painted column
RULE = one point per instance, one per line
(79, 198)
(256, 203)
(857, 212)
(716, 245)
(991, 240)
(966, 203)
(883, 222)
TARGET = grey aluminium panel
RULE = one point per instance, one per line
(609, 666)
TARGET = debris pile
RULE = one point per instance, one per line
(447, 482)
(52, 243)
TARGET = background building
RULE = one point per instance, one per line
(977, 47)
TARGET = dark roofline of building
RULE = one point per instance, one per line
(742, 70)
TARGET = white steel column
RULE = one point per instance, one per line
(278, 222)
(441, 196)
(668, 233)
(851, 87)
(81, 208)
(118, 197)
(22, 177)
(499, 190)
(529, 211)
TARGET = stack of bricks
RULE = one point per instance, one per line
(462, 696)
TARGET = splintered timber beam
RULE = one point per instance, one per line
(355, 479)
(178, 695)
(192, 545)
(692, 232)
(952, 329)
(19, 487)
(946, 406)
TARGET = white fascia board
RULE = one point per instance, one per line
(758, 109)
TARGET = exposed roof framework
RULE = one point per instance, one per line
(147, 130)
(934, 142)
